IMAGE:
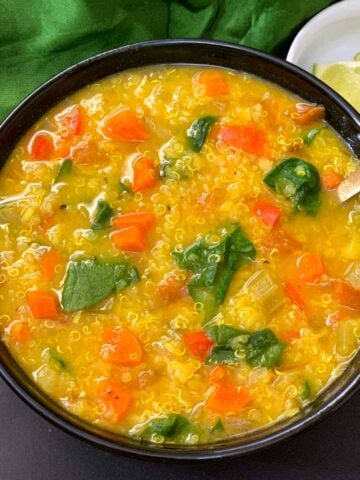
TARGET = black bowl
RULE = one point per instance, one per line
(343, 118)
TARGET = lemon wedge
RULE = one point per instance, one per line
(344, 77)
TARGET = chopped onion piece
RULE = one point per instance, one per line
(262, 288)
(352, 276)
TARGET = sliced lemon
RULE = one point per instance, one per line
(344, 77)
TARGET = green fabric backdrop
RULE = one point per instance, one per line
(39, 38)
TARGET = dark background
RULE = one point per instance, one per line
(32, 449)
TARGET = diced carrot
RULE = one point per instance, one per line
(217, 374)
(48, 263)
(116, 398)
(41, 146)
(250, 139)
(125, 125)
(198, 343)
(121, 347)
(19, 331)
(268, 212)
(214, 82)
(129, 238)
(310, 267)
(144, 220)
(171, 287)
(347, 295)
(144, 174)
(228, 398)
(294, 295)
(71, 121)
(307, 113)
(331, 180)
(42, 304)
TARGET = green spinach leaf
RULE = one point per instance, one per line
(214, 266)
(299, 182)
(175, 168)
(197, 132)
(124, 187)
(217, 427)
(65, 168)
(170, 427)
(102, 217)
(306, 391)
(234, 346)
(58, 360)
(310, 135)
(87, 282)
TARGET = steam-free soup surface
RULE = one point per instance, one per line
(174, 263)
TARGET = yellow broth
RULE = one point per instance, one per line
(302, 284)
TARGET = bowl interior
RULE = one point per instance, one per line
(339, 114)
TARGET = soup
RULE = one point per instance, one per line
(175, 265)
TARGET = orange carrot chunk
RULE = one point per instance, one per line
(294, 295)
(228, 398)
(331, 180)
(71, 121)
(144, 220)
(249, 139)
(307, 113)
(217, 374)
(347, 295)
(214, 82)
(116, 398)
(268, 212)
(129, 238)
(144, 174)
(310, 267)
(19, 332)
(124, 125)
(121, 347)
(198, 343)
(48, 263)
(41, 146)
(42, 304)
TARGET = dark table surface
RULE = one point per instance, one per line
(32, 449)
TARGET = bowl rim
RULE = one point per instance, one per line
(24, 386)
(333, 13)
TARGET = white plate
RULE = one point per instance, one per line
(331, 36)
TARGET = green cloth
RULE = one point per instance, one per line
(39, 38)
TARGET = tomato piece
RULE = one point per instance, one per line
(41, 146)
(130, 238)
(228, 399)
(144, 174)
(144, 220)
(268, 212)
(126, 126)
(116, 398)
(121, 347)
(71, 121)
(310, 267)
(294, 295)
(250, 139)
(42, 304)
(198, 343)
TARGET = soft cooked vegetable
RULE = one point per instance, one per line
(103, 213)
(48, 263)
(198, 343)
(214, 266)
(171, 426)
(197, 132)
(65, 168)
(87, 282)
(143, 220)
(19, 331)
(171, 287)
(130, 238)
(310, 135)
(263, 290)
(250, 139)
(41, 146)
(42, 304)
(228, 398)
(144, 174)
(307, 113)
(345, 337)
(268, 212)
(175, 168)
(292, 292)
(331, 180)
(121, 347)
(116, 398)
(214, 83)
(297, 181)
(347, 295)
(124, 125)
(234, 346)
(310, 267)
(217, 374)
(71, 121)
